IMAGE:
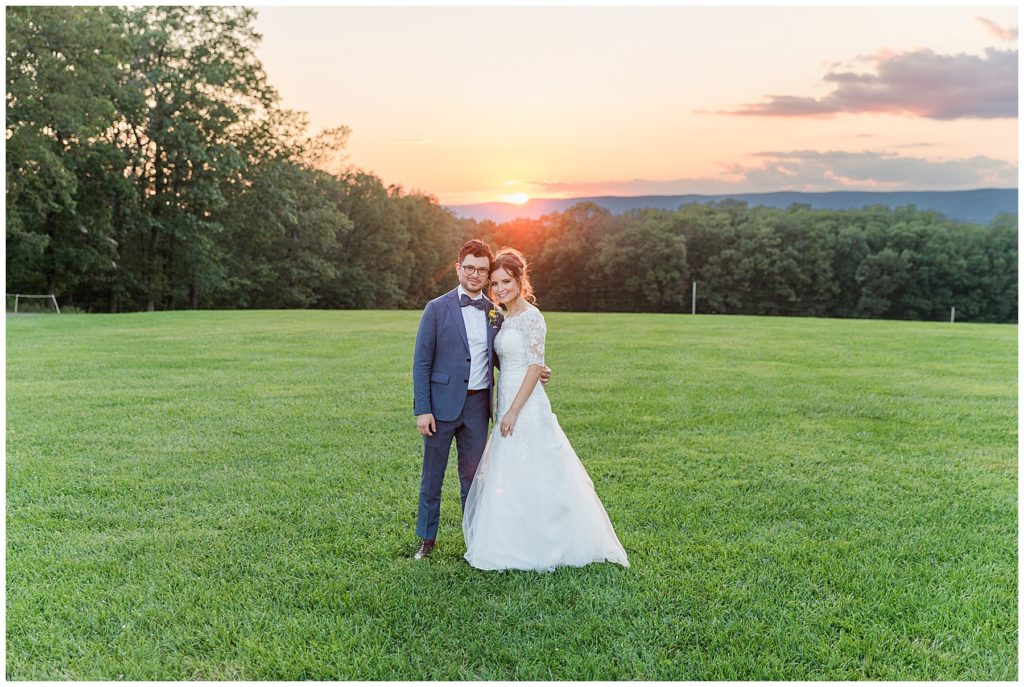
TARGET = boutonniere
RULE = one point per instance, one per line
(492, 317)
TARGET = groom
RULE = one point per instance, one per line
(453, 374)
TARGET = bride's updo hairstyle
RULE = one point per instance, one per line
(513, 262)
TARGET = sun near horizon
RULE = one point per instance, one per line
(515, 199)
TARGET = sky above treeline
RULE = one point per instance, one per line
(485, 103)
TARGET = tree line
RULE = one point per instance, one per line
(150, 166)
(874, 262)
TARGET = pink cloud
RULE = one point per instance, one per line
(1007, 33)
(919, 83)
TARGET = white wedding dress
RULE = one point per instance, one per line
(532, 505)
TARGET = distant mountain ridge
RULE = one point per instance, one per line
(978, 206)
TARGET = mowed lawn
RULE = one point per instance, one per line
(232, 495)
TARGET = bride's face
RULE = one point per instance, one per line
(504, 288)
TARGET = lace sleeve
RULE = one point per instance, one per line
(535, 330)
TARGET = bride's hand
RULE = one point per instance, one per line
(508, 422)
(545, 375)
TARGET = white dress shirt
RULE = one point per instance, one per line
(476, 332)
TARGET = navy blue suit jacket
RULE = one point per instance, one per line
(441, 362)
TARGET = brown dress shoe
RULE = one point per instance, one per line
(426, 546)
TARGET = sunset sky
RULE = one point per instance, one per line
(475, 104)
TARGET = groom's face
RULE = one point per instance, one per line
(472, 273)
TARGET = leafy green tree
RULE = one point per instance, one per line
(198, 91)
(807, 243)
(753, 274)
(1000, 242)
(882, 277)
(61, 86)
(643, 264)
(372, 253)
(280, 223)
(567, 273)
(434, 241)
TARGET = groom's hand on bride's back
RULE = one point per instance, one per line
(545, 374)
(426, 425)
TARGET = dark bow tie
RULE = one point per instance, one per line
(480, 303)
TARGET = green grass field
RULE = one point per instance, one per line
(232, 495)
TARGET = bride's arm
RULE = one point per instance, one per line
(508, 422)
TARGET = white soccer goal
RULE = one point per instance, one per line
(22, 300)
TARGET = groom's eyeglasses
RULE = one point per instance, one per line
(482, 271)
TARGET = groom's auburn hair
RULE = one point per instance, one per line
(513, 262)
(476, 248)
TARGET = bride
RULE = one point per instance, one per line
(532, 505)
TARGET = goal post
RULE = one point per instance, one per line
(20, 300)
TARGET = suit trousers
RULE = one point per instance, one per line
(470, 433)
